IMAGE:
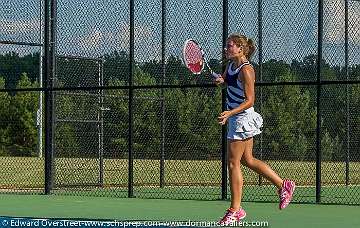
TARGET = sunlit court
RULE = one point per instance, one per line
(164, 113)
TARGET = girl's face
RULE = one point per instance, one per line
(232, 50)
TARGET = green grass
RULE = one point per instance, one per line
(23, 172)
(183, 179)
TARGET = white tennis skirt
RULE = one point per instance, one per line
(244, 125)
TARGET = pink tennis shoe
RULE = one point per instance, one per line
(286, 193)
(232, 216)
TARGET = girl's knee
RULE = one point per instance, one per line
(233, 163)
(249, 162)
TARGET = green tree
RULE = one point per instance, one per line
(146, 118)
(116, 66)
(22, 119)
(330, 147)
(12, 66)
(116, 120)
(66, 140)
(354, 122)
(5, 137)
(288, 110)
(192, 128)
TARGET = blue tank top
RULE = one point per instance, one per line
(235, 89)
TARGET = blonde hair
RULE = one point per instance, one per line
(247, 44)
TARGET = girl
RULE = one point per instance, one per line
(244, 123)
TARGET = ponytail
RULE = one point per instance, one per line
(251, 48)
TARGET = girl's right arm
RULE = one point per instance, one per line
(221, 80)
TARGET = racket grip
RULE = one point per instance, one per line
(215, 75)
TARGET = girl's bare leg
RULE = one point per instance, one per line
(259, 166)
(236, 150)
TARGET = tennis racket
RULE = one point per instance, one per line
(194, 58)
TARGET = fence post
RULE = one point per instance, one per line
(163, 73)
(347, 161)
(131, 96)
(318, 100)
(259, 73)
(223, 100)
(48, 75)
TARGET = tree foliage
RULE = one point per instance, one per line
(190, 128)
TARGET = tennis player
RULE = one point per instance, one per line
(243, 123)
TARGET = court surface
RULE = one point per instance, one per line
(188, 213)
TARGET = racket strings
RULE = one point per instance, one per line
(194, 57)
(193, 53)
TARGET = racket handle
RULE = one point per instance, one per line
(215, 75)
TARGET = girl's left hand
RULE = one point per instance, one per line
(223, 117)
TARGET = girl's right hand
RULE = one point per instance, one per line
(219, 81)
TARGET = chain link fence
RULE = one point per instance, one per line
(20, 47)
(96, 100)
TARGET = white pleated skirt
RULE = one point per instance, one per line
(244, 125)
